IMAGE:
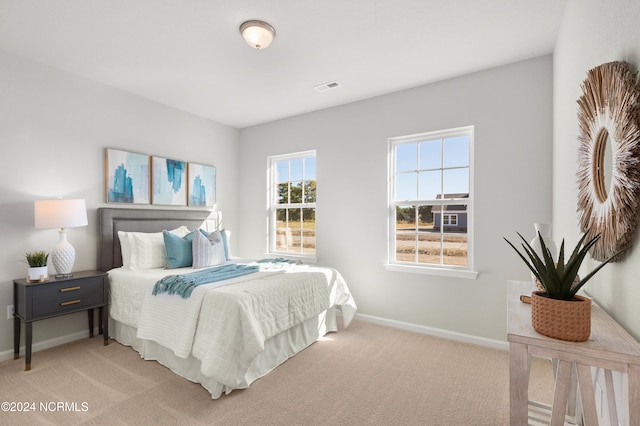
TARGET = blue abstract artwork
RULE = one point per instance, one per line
(202, 185)
(169, 185)
(127, 177)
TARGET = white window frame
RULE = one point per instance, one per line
(448, 221)
(272, 205)
(431, 269)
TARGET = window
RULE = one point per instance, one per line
(292, 204)
(431, 202)
(450, 219)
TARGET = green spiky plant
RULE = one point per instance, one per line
(558, 278)
(37, 259)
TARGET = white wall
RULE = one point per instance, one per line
(510, 107)
(593, 32)
(54, 128)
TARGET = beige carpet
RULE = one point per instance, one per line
(364, 375)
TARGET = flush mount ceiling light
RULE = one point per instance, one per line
(257, 34)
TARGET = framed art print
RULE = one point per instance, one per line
(202, 185)
(169, 181)
(127, 177)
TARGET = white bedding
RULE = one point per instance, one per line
(225, 325)
(171, 320)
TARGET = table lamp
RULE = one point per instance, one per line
(61, 214)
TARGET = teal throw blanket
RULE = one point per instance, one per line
(183, 284)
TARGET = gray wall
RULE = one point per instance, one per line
(593, 32)
(54, 128)
(511, 109)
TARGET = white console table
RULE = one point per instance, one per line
(609, 347)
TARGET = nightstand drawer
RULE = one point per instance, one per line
(67, 296)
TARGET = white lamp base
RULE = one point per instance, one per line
(63, 256)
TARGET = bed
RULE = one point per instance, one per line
(225, 334)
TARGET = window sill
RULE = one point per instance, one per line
(425, 270)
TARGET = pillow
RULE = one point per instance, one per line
(145, 249)
(180, 231)
(225, 241)
(178, 250)
(125, 249)
(208, 249)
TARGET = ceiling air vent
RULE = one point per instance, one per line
(327, 86)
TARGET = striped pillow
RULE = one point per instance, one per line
(208, 249)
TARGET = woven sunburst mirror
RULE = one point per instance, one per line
(609, 158)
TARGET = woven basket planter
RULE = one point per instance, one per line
(568, 320)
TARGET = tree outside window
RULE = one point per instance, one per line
(292, 204)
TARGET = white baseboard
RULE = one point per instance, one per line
(431, 331)
(50, 343)
(437, 332)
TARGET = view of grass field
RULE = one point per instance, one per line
(430, 244)
(289, 239)
(426, 240)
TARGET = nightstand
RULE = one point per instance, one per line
(36, 301)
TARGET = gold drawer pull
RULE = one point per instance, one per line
(70, 302)
(62, 290)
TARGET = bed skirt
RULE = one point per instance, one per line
(277, 350)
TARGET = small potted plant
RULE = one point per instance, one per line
(558, 311)
(38, 270)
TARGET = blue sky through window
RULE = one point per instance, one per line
(294, 166)
(421, 174)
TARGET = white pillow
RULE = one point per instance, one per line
(208, 249)
(180, 231)
(145, 250)
(125, 249)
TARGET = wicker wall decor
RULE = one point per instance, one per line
(609, 188)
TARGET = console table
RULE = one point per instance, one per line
(609, 347)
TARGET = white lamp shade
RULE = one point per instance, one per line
(257, 34)
(60, 214)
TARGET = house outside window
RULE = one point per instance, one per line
(292, 205)
(448, 219)
(431, 203)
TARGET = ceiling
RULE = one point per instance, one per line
(189, 54)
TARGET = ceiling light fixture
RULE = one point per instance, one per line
(257, 34)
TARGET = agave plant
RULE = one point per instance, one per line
(36, 258)
(559, 279)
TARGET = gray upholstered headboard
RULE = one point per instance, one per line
(112, 220)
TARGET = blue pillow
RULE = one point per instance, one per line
(178, 250)
(225, 243)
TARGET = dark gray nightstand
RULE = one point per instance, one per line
(84, 291)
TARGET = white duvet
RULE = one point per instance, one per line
(225, 324)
